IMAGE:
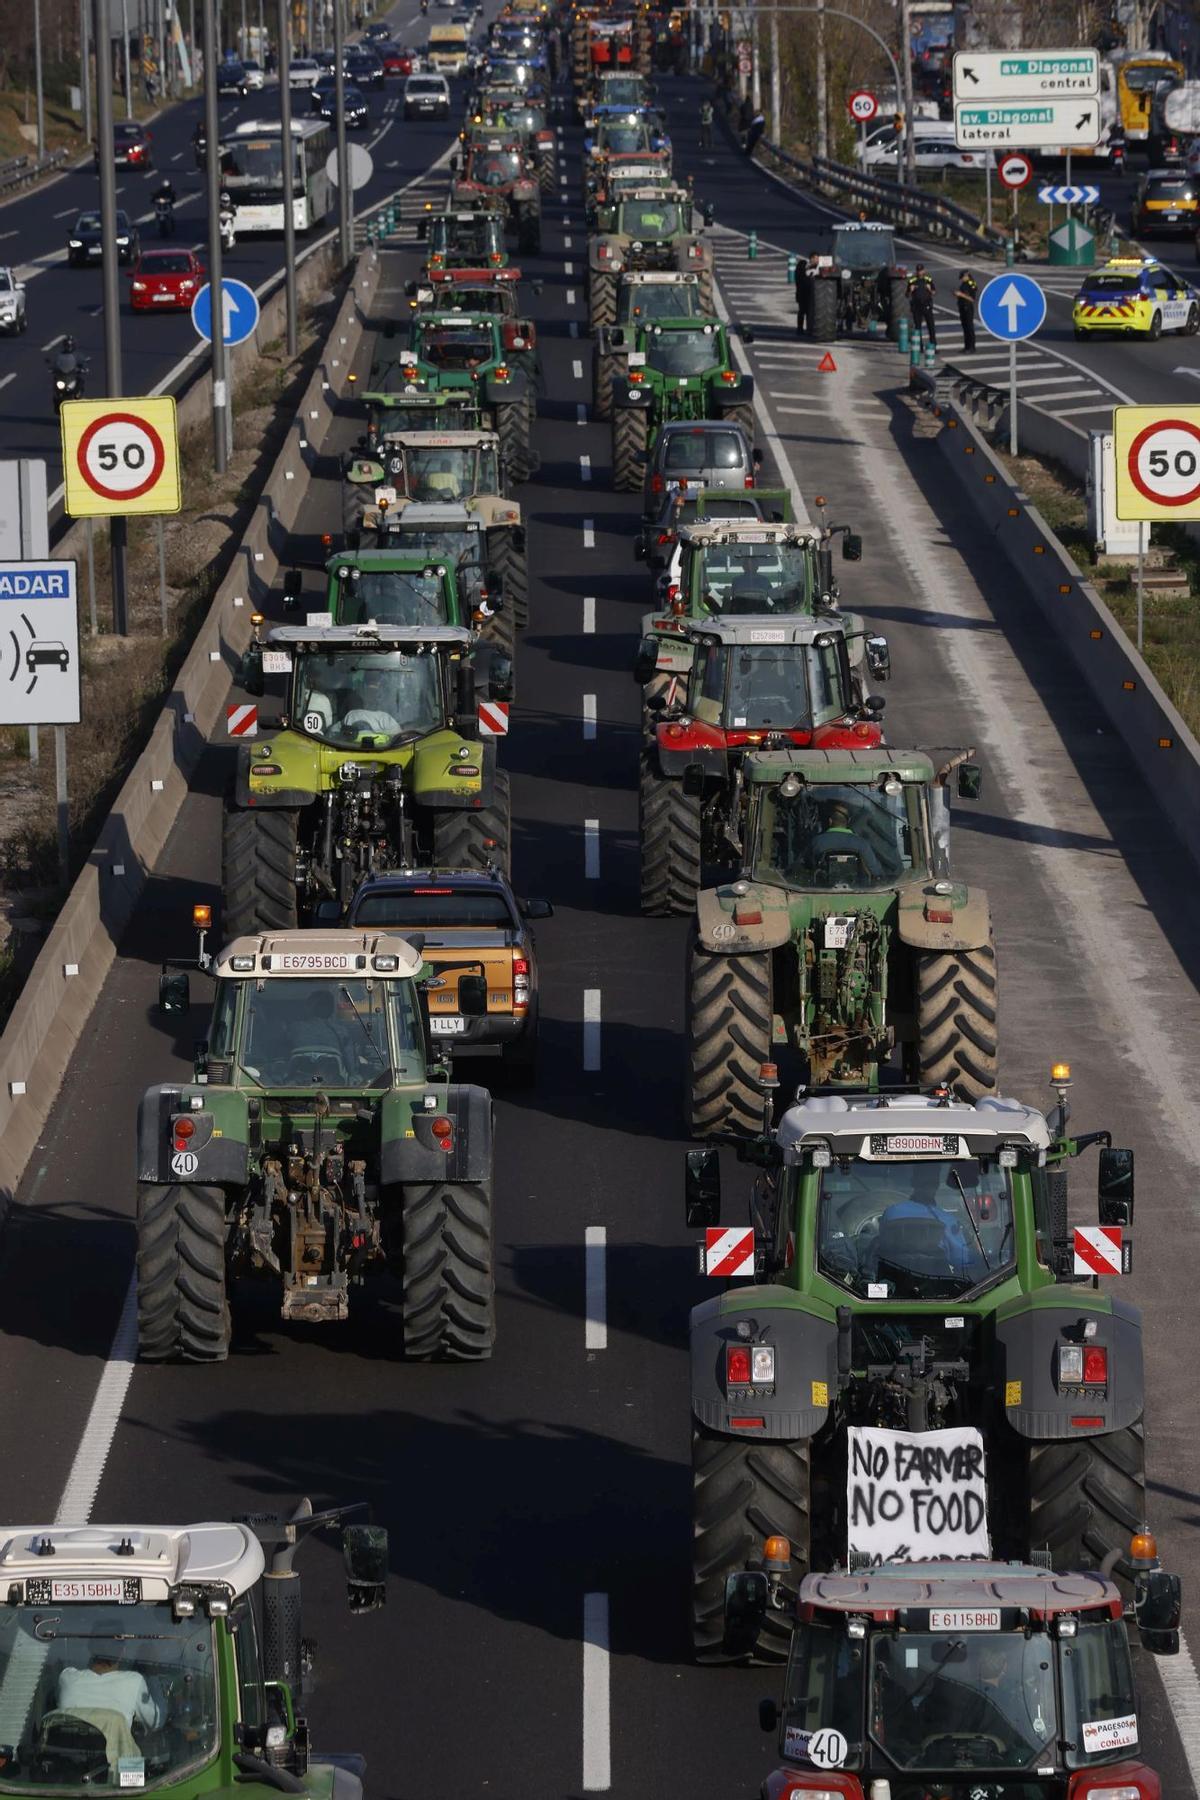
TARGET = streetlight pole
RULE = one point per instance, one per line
(109, 274)
(212, 168)
(822, 85)
(85, 71)
(125, 52)
(289, 206)
(37, 77)
(345, 198)
(776, 84)
(907, 93)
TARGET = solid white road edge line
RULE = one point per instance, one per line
(597, 1748)
(591, 1029)
(595, 1325)
(79, 1496)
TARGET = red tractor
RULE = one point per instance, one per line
(498, 175)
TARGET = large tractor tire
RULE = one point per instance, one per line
(704, 288)
(669, 836)
(1087, 1497)
(602, 299)
(516, 439)
(897, 290)
(630, 432)
(512, 566)
(448, 1272)
(529, 230)
(467, 838)
(742, 1493)
(822, 311)
(729, 1020)
(603, 368)
(742, 414)
(183, 1307)
(258, 870)
(354, 498)
(956, 1020)
(547, 175)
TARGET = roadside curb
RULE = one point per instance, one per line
(66, 980)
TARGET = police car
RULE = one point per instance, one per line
(1138, 296)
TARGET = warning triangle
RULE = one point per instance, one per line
(827, 366)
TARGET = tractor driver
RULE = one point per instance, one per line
(839, 838)
(296, 1019)
(922, 1238)
(104, 1686)
(439, 482)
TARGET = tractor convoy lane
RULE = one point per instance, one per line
(538, 1504)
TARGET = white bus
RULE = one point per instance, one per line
(252, 173)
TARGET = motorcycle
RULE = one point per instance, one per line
(164, 216)
(69, 378)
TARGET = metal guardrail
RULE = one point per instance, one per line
(18, 171)
(894, 200)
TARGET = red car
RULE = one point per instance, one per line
(396, 59)
(165, 278)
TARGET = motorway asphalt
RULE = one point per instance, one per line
(550, 1486)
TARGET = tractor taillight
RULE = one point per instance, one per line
(737, 1365)
(443, 1132)
(1095, 1365)
(184, 1128)
(656, 484)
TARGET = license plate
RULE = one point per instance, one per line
(1171, 218)
(451, 1027)
(914, 1143)
(837, 933)
(159, 298)
(87, 1590)
(295, 962)
(985, 1618)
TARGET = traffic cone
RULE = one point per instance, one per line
(827, 366)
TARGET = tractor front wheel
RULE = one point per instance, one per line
(258, 870)
(669, 835)
(742, 414)
(956, 1019)
(516, 439)
(729, 1020)
(822, 311)
(447, 1271)
(742, 1493)
(602, 380)
(183, 1307)
(602, 299)
(1086, 1499)
(630, 431)
(512, 567)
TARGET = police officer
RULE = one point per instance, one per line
(920, 302)
(706, 124)
(967, 295)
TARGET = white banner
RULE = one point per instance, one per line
(912, 1496)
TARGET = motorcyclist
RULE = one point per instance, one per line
(225, 218)
(68, 370)
(164, 207)
(706, 124)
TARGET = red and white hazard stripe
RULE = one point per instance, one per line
(241, 721)
(729, 1251)
(1097, 1250)
(493, 718)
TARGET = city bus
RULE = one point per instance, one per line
(1136, 74)
(252, 173)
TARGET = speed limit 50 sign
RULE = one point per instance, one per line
(1157, 453)
(120, 456)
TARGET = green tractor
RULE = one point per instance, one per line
(399, 582)
(910, 1367)
(319, 1143)
(463, 353)
(470, 238)
(844, 939)
(642, 295)
(454, 480)
(393, 402)
(499, 175)
(674, 369)
(200, 1628)
(653, 228)
(377, 763)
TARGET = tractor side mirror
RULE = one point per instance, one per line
(757, 459)
(293, 585)
(768, 1715)
(970, 781)
(464, 695)
(708, 212)
(500, 683)
(454, 165)
(879, 657)
(646, 661)
(641, 456)
(616, 337)
(536, 909)
(746, 1598)
(874, 705)
(1157, 1607)
(365, 1550)
(693, 780)
(852, 547)
(250, 671)
(472, 995)
(410, 290)
(746, 333)
(422, 230)
(200, 1059)
(702, 1187)
(1115, 1187)
(174, 994)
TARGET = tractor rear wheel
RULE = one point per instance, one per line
(742, 414)
(448, 1272)
(1087, 1497)
(669, 836)
(546, 175)
(630, 430)
(602, 380)
(729, 1019)
(513, 568)
(822, 311)
(183, 1307)
(956, 1019)
(602, 299)
(704, 288)
(258, 870)
(743, 1492)
(516, 446)
(471, 838)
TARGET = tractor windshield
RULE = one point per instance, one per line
(392, 597)
(852, 837)
(441, 472)
(914, 1230)
(495, 168)
(312, 1031)
(785, 686)
(855, 248)
(388, 421)
(650, 218)
(475, 237)
(477, 300)
(658, 300)
(449, 346)
(683, 353)
(755, 578)
(621, 90)
(975, 1701)
(372, 699)
(624, 140)
(104, 1696)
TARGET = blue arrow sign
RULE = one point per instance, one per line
(1068, 196)
(239, 308)
(1011, 307)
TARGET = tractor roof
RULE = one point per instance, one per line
(957, 1587)
(433, 515)
(473, 277)
(841, 766)
(160, 1557)
(749, 629)
(405, 561)
(659, 278)
(372, 636)
(919, 1126)
(287, 954)
(656, 193)
(443, 440)
(747, 531)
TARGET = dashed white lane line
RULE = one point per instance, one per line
(573, 328)
(178, 157)
(566, 243)
(585, 468)
(7, 234)
(597, 1751)
(589, 534)
(589, 614)
(589, 716)
(591, 849)
(577, 370)
(74, 209)
(591, 1029)
(53, 342)
(566, 218)
(568, 268)
(4, 380)
(580, 413)
(571, 302)
(595, 1283)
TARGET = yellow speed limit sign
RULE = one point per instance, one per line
(120, 456)
(1157, 453)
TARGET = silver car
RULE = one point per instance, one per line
(12, 303)
(700, 453)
